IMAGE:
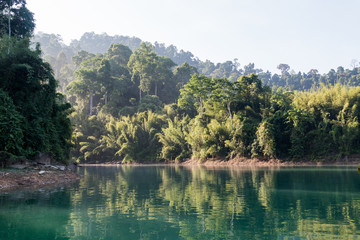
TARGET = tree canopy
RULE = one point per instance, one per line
(208, 110)
(21, 19)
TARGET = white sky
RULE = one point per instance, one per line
(305, 34)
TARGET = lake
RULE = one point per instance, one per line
(174, 202)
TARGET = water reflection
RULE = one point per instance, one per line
(195, 203)
(200, 203)
(34, 214)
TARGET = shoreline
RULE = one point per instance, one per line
(21, 179)
(14, 179)
(242, 162)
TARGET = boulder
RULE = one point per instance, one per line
(59, 167)
(62, 168)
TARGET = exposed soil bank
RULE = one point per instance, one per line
(30, 178)
(242, 162)
(266, 163)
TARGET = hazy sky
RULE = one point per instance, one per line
(305, 34)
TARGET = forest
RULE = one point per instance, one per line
(34, 116)
(143, 106)
(121, 99)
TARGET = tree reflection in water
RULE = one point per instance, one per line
(199, 203)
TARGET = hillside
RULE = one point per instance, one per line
(59, 54)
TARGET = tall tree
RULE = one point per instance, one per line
(284, 68)
(120, 54)
(16, 19)
(225, 92)
(149, 68)
(85, 86)
(183, 73)
(196, 92)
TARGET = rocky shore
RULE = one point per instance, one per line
(34, 176)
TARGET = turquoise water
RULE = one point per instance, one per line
(167, 202)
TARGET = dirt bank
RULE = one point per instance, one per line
(242, 162)
(31, 178)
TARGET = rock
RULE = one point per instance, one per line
(62, 168)
(56, 167)
(41, 172)
(18, 166)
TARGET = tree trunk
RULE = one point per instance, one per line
(9, 27)
(140, 94)
(155, 88)
(91, 102)
(229, 109)
(106, 98)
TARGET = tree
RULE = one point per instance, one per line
(136, 138)
(206, 68)
(173, 140)
(21, 23)
(149, 68)
(11, 135)
(252, 93)
(183, 73)
(250, 68)
(61, 61)
(163, 72)
(105, 79)
(51, 44)
(120, 54)
(85, 86)
(141, 64)
(225, 92)
(30, 83)
(284, 68)
(81, 56)
(93, 78)
(196, 92)
(226, 70)
(265, 140)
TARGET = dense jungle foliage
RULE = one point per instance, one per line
(33, 116)
(138, 106)
(137, 102)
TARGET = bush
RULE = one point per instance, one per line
(11, 135)
(173, 140)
